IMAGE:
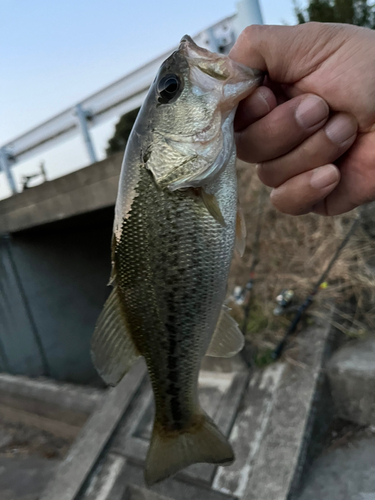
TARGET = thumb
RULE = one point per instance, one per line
(289, 53)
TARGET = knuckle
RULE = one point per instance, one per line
(283, 203)
(266, 175)
(251, 31)
(280, 127)
(277, 201)
(271, 129)
(247, 149)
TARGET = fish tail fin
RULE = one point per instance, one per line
(170, 452)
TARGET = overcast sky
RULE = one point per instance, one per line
(53, 54)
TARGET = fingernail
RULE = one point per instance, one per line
(311, 111)
(324, 176)
(259, 104)
(340, 128)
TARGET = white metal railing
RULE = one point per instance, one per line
(120, 97)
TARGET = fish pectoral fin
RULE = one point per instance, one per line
(212, 206)
(112, 349)
(227, 339)
(168, 454)
(240, 232)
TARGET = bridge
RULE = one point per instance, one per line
(116, 99)
(55, 237)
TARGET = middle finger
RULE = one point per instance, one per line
(282, 129)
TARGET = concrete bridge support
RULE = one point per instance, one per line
(54, 267)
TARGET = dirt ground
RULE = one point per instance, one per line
(20, 441)
(28, 458)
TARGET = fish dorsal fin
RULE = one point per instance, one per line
(212, 206)
(240, 232)
(112, 349)
(227, 339)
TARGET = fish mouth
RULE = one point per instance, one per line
(211, 64)
(190, 49)
(209, 70)
(216, 65)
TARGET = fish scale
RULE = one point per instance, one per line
(192, 263)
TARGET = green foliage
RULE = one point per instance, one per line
(358, 12)
(264, 358)
(257, 320)
(122, 131)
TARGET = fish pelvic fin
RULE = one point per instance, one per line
(227, 339)
(112, 348)
(170, 452)
(212, 206)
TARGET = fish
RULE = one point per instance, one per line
(174, 233)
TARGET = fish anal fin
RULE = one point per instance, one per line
(240, 232)
(112, 348)
(169, 453)
(212, 206)
(227, 339)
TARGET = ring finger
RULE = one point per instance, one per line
(322, 148)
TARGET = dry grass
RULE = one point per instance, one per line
(293, 253)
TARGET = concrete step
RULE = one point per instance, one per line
(351, 373)
(39, 419)
(24, 478)
(50, 400)
(273, 418)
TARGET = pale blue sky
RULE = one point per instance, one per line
(52, 54)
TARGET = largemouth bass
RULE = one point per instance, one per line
(173, 239)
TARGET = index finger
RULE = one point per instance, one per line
(254, 107)
(288, 53)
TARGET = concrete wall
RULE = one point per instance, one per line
(80, 192)
(52, 288)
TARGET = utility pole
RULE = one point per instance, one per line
(82, 116)
(5, 163)
(248, 12)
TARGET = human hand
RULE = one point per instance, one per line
(312, 127)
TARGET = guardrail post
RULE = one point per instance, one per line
(5, 167)
(82, 116)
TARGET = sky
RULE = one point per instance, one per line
(53, 54)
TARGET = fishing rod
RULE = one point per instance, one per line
(309, 299)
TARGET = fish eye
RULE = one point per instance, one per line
(169, 88)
